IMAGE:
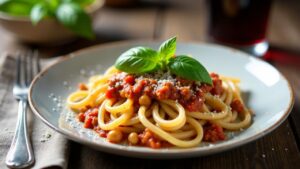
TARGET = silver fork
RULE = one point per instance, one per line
(20, 154)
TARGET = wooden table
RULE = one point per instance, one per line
(187, 19)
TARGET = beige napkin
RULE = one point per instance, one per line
(50, 148)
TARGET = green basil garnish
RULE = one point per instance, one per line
(144, 60)
(138, 60)
(189, 68)
(167, 49)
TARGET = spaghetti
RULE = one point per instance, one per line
(159, 109)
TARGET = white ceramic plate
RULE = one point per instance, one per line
(269, 95)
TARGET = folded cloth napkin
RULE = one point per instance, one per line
(50, 148)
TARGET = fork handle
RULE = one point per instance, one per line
(20, 154)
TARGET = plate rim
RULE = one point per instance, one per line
(191, 152)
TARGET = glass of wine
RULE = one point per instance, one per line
(240, 23)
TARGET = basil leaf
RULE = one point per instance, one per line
(52, 5)
(189, 68)
(38, 12)
(167, 49)
(74, 17)
(82, 3)
(138, 60)
(16, 8)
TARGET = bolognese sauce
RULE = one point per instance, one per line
(143, 89)
(189, 93)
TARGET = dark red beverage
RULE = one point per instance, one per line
(239, 22)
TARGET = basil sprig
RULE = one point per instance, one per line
(70, 13)
(140, 60)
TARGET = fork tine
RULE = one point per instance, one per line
(29, 67)
(23, 71)
(18, 69)
(36, 63)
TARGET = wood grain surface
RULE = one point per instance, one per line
(276, 150)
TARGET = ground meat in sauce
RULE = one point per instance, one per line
(213, 133)
(217, 84)
(237, 105)
(163, 86)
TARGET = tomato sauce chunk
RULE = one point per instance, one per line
(213, 133)
(237, 105)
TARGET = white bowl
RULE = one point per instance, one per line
(47, 31)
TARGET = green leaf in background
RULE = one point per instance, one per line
(32, 2)
(138, 60)
(189, 68)
(75, 18)
(38, 12)
(16, 7)
(167, 49)
(82, 3)
(52, 5)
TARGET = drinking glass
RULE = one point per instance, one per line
(240, 23)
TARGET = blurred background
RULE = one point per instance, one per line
(272, 27)
(190, 20)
